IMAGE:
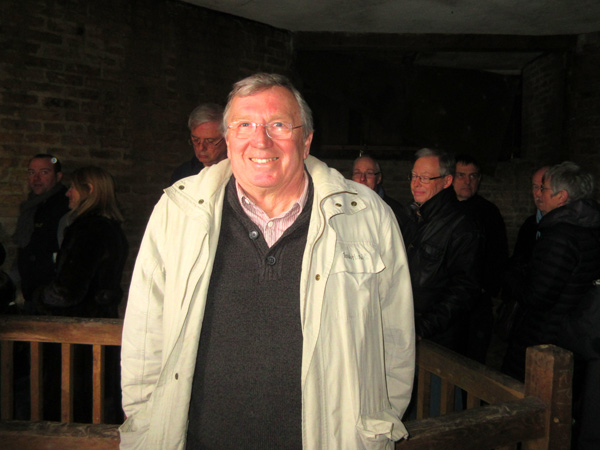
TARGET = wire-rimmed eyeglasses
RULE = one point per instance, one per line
(422, 179)
(208, 142)
(275, 130)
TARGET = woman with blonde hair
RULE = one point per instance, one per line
(89, 266)
(93, 252)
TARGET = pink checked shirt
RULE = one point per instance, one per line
(272, 229)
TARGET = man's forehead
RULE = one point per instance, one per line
(466, 168)
(369, 162)
(428, 163)
(41, 162)
(274, 100)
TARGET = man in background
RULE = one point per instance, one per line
(205, 138)
(366, 170)
(466, 184)
(36, 234)
(443, 249)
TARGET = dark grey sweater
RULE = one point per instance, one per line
(246, 388)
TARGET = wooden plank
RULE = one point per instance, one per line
(446, 397)
(423, 393)
(35, 380)
(549, 376)
(481, 381)
(478, 428)
(68, 330)
(7, 379)
(24, 435)
(98, 380)
(66, 388)
(472, 401)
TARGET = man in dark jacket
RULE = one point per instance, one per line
(495, 252)
(443, 249)
(206, 139)
(365, 170)
(563, 265)
(37, 226)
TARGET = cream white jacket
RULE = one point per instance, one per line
(355, 303)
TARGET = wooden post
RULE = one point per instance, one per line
(98, 382)
(7, 377)
(549, 377)
(67, 383)
(35, 381)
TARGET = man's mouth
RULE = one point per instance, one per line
(263, 160)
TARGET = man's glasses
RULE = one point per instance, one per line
(208, 142)
(472, 176)
(357, 174)
(275, 130)
(423, 179)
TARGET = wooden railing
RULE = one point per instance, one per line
(39, 434)
(500, 411)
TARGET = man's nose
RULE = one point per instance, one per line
(261, 138)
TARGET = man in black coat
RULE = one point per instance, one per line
(443, 249)
(37, 226)
(563, 265)
(495, 252)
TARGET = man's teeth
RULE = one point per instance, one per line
(263, 160)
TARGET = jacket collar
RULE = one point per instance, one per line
(196, 195)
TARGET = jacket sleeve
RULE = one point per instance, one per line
(398, 318)
(463, 285)
(142, 342)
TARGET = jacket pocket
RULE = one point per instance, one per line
(134, 432)
(357, 257)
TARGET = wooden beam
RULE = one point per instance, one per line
(66, 390)
(67, 330)
(35, 380)
(478, 428)
(378, 43)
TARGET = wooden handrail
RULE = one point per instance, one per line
(500, 410)
(67, 331)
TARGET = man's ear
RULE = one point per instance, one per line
(448, 181)
(564, 197)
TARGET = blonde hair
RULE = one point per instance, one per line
(97, 190)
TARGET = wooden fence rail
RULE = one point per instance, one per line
(500, 411)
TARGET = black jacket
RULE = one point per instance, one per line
(89, 269)
(36, 259)
(565, 261)
(443, 249)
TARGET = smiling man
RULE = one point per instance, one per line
(443, 248)
(271, 305)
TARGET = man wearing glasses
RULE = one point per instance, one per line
(271, 305)
(205, 138)
(495, 252)
(443, 248)
(365, 170)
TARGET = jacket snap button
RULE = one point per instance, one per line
(181, 187)
(353, 203)
(177, 376)
(318, 277)
(271, 260)
(253, 234)
(200, 201)
(339, 205)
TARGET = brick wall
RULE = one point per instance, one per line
(111, 83)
